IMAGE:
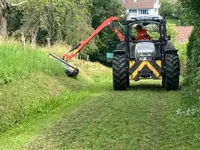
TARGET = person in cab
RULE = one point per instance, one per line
(141, 33)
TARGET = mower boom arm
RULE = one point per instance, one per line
(78, 48)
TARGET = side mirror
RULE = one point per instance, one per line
(168, 37)
(165, 16)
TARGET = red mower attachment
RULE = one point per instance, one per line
(72, 71)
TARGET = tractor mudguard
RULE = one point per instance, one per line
(121, 46)
(169, 51)
(170, 48)
(169, 45)
(119, 52)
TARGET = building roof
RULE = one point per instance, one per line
(139, 4)
(184, 33)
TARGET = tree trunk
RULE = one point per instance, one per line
(23, 39)
(4, 7)
(3, 22)
(33, 38)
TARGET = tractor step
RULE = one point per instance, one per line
(70, 70)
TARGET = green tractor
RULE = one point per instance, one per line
(154, 58)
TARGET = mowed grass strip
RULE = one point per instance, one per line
(41, 118)
(144, 117)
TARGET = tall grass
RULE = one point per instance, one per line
(30, 82)
(17, 62)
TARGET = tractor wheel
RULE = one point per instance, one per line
(128, 80)
(119, 66)
(163, 81)
(172, 72)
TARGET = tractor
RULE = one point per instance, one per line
(133, 59)
(136, 59)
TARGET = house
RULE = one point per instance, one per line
(147, 7)
(183, 33)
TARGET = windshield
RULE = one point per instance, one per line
(150, 29)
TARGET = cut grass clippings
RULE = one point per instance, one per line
(144, 117)
(48, 112)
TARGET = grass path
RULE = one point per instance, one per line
(141, 118)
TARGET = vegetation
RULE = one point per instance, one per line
(182, 51)
(19, 62)
(100, 10)
(40, 105)
(171, 8)
(176, 14)
(30, 80)
(39, 21)
(141, 119)
(193, 54)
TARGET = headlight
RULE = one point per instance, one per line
(145, 56)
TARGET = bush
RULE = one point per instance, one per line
(171, 30)
(193, 71)
(182, 51)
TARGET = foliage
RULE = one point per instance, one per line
(101, 10)
(193, 53)
(14, 17)
(29, 80)
(64, 21)
(175, 12)
(182, 51)
(53, 16)
(171, 30)
(171, 8)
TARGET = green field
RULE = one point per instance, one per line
(41, 108)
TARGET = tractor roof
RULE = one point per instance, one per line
(132, 17)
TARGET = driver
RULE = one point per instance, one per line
(141, 33)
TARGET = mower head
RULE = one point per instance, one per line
(70, 70)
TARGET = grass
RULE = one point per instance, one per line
(48, 113)
(30, 82)
(144, 117)
(17, 62)
(40, 108)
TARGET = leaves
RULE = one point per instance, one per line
(69, 21)
(193, 53)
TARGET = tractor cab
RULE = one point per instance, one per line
(155, 27)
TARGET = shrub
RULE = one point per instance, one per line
(182, 51)
(193, 71)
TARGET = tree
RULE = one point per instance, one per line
(174, 10)
(193, 53)
(4, 7)
(56, 20)
(100, 10)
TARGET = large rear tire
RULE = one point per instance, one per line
(128, 80)
(172, 72)
(119, 66)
